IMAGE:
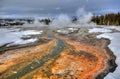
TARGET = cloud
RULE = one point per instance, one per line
(1, 3)
(38, 7)
(57, 8)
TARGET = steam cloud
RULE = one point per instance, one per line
(83, 16)
(84, 19)
(63, 20)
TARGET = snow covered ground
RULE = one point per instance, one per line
(113, 27)
(114, 46)
(13, 36)
(67, 30)
(63, 31)
(96, 30)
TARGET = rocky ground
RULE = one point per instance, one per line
(67, 54)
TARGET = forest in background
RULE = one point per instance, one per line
(108, 19)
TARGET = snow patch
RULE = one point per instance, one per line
(72, 29)
(102, 30)
(113, 27)
(20, 41)
(31, 32)
(63, 31)
(13, 36)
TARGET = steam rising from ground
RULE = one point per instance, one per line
(63, 20)
(83, 19)
(36, 23)
(83, 16)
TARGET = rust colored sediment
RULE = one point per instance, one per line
(24, 55)
(79, 64)
(78, 61)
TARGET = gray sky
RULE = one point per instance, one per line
(51, 7)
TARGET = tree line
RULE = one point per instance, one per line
(108, 19)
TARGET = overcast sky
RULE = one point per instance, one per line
(52, 7)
